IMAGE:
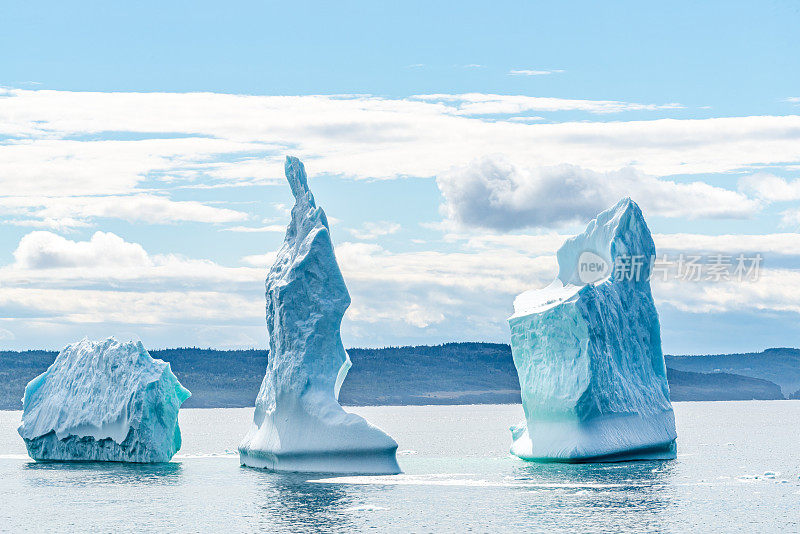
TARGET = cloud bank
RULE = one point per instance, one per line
(72, 160)
(493, 193)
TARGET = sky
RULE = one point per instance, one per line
(453, 146)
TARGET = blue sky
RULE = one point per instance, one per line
(453, 146)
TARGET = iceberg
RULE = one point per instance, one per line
(587, 349)
(103, 401)
(298, 424)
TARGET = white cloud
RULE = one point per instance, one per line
(770, 188)
(790, 218)
(490, 104)
(260, 260)
(48, 160)
(532, 245)
(420, 296)
(85, 306)
(65, 224)
(45, 250)
(57, 290)
(524, 72)
(421, 317)
(776, 290)
(429, 296)
(787, 244)
(239, 139)
(373, 230)
(793, 99)
(75, 211)
(45, 259)
(474, 290)
(493, 193)
(404, 311)
(107, 280)
(526, 119)
(482, 270)
(74, 148)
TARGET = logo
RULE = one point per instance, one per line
(592, 268)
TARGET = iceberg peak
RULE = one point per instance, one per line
(618, 230)
(596, 255)
(298, 181)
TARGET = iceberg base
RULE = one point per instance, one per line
(365, 462)
(611, 438)
(88, 449)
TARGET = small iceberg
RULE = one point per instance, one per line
(298, 423)
(588, 351)
(103, 401)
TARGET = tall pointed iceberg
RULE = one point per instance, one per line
(103, 401)
(298, 423)
(588, 351)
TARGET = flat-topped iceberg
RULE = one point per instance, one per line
(588, 351)
(103, 401)
(298, 423)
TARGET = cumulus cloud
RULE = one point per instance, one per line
(57, 288)
(45, 250)
(106, 260)
(493, 193)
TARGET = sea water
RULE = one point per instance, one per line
(738, 469)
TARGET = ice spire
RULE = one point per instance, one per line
(298, 423)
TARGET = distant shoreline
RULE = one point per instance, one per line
(441, 375)
(444, 405)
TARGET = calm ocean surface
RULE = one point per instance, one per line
(738, 469)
